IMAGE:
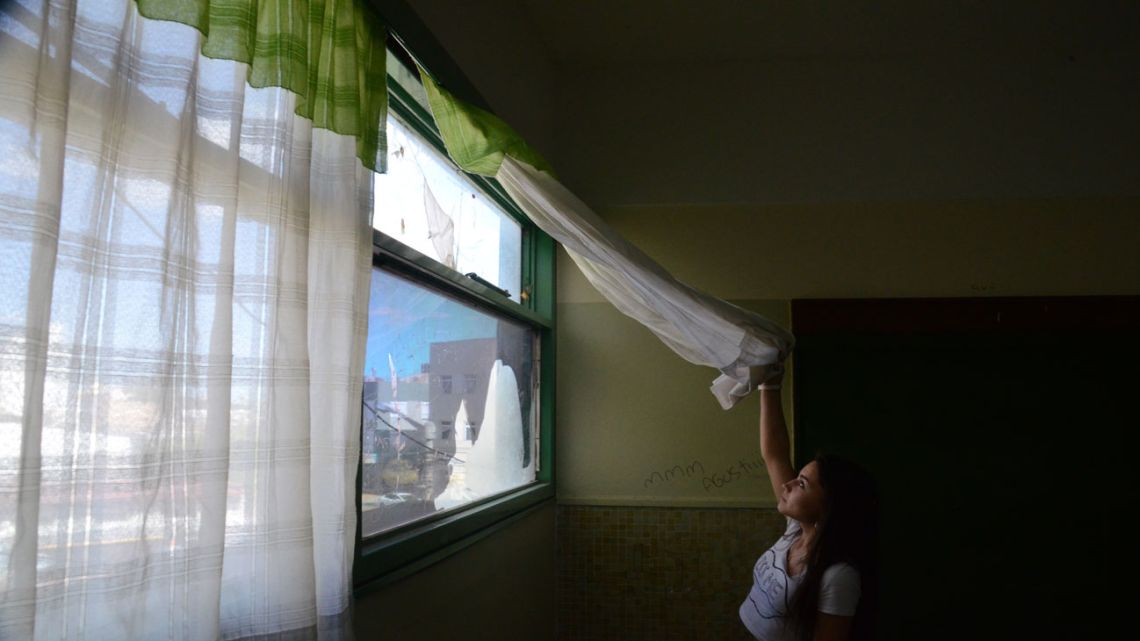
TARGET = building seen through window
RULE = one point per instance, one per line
(421, 341)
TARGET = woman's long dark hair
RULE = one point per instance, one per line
(847, 532)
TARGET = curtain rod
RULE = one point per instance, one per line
(407, 33)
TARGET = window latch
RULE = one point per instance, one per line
(486, 283)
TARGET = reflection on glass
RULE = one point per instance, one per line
(425, 202)
(448, 404)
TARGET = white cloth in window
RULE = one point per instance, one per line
(700, 328)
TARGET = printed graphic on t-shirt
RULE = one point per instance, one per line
(771, 594)
(773, 588)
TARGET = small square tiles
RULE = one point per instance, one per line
(657, 573)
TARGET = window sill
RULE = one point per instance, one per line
(391, 557)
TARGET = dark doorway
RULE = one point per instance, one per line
(1002, 433)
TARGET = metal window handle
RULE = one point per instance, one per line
(486, 283)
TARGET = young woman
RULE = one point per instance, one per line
(817, 582)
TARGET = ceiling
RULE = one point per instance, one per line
(607, 32)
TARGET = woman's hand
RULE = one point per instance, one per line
(773, 376)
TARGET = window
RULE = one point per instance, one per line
(456, 420)
(428, 204)
(415, 328)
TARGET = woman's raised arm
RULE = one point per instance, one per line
(774, 445)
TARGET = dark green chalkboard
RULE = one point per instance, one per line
(1002, 433)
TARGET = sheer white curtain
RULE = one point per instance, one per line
(700, 328)
(183, 307)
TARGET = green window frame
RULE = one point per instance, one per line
(392, 555)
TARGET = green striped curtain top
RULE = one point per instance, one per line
(330, 53)
(475, 139)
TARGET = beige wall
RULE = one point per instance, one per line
(963, 126)
(933, 176)
(638, 426)
(873, 250)
(502, 587)
(629, 407)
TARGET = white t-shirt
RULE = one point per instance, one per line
(765, 611)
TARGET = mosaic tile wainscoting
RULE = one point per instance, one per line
(657, 573)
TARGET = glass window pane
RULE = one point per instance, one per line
(449, 404)
(428, 204)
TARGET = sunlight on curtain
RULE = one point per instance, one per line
(183, 307)
(330, 53)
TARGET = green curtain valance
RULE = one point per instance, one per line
(476, 139)
(331, 53)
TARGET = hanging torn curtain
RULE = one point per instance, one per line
(702, 329)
